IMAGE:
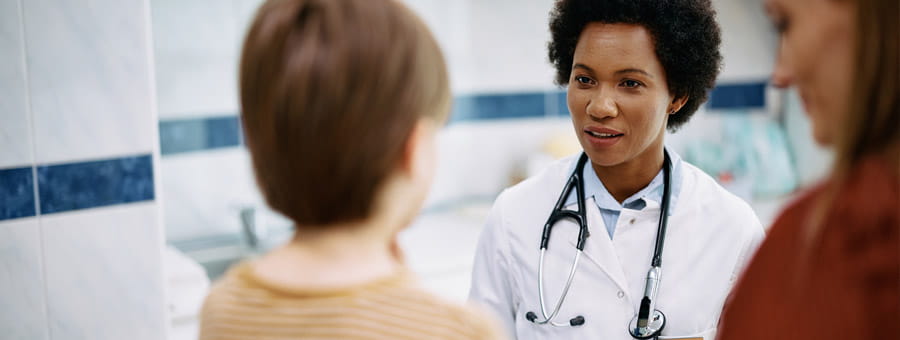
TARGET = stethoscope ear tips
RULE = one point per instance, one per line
(530, 316)
(577, 321)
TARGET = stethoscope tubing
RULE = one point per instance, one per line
(548, 319)
(576, 182)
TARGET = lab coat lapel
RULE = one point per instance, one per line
(599, 248)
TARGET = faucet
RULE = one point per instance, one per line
(249, 228)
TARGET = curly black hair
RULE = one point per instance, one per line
(685, 34)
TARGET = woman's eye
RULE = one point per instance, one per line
(583, 79)
(631, 84)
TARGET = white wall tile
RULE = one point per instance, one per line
(196, 46)
(483, 158)
(245, 10)
(104, 275)
(748, 40)
(450, 22)
(491, 46)
(23, 315)
(88, 67)
(508, 50)
(204, 192)
(15, 132)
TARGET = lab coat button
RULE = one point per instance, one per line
(632, 221)
(621, 294)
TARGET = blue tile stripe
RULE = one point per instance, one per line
(498, 106)
(722, 97)
(16, 193)
(75, 186)
(188, 135)
(738, 96)
(83, 185)
(199, 134)
(562, 105)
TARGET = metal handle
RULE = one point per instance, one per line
(248, 226)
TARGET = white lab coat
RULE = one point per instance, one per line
(711, 235)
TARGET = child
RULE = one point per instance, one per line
(341, 101)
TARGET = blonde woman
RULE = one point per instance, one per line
(830, 268)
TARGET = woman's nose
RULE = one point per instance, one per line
(602, 106)
(782, 75)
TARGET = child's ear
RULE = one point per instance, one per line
(418, 152)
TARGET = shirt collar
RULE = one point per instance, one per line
(593, 187)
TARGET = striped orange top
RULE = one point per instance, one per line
(243, 306)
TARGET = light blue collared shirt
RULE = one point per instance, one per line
(610, 208)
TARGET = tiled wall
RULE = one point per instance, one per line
(207, 178)
(204, 175)
(506, 105)
(80, 228)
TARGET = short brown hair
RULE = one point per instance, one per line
(330, 92)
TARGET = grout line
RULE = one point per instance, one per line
(155, 156)
(34, 174)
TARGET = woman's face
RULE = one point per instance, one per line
(816, 55)
(618, 95)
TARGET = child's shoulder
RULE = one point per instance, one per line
(456, 319)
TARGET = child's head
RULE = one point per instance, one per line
(340, 99)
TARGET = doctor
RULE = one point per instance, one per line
(662, 243)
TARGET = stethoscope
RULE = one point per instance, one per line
(649, 321)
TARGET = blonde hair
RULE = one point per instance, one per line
(870, 125)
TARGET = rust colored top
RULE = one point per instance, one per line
(845, 285)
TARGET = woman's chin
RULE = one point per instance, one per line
(821, 137)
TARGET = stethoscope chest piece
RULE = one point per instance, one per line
(655, 325)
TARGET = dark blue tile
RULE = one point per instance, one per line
(738, 96)
(223, 132)
(498, 106)
(562, 106)
(186, 135)
(463, 109)
(181, 136)
(16, 193)
(85, 185)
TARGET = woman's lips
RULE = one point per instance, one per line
(601, 137)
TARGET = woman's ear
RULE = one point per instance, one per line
(676, 104)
